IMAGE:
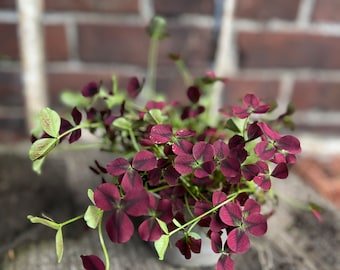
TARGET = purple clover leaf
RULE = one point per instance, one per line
(92, 262)
(149, 229)
(161, 134)
(134, 87)
(90, 89)
(144, 160)
(189, 244)
(276, 147)
(263, 179)
(225, 263)
(201, 161)
(119, 226)
(246, 220)
(252, 105)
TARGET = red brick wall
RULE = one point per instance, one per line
(285, 50)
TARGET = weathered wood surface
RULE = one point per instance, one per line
(295, 240)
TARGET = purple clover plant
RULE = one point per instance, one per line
(171, 169)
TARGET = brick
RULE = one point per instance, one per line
(126, 6)
(288, 50)
(267, 9)
(322, 175)
(56, 42)
(8, 45)
(316, 95)
(236, 88)
(7, 4)
(327, 11)
(180, 7)
(10, 89)
(129, 44)
(13, 130)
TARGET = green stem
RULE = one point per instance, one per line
(82, 125)
(183, 70)
(149, 88)
(133, 140)
(198, 218)
(102, 243)
(71, 220)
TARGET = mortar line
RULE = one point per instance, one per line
(305, 11)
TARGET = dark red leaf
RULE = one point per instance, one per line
(256, 224)
(203, 151)
(76, 115)
(240, 112)
(182, 147)
(75, 136)
(225, 263)
(171, 175)
(154, 176)
(132, 180)
(136, 202)
(280, 171)
(193, 94)
(65, 125)
(264, 150)
(290, 144)
(268, 131)
(183, 164)
(249, 171)
(119, 227)
(231, 214)
(161, 134)
(106, 196)
(206, 169)
(216, 242)
(133, 87)
(221, 149)
(230, 167)
(238, 241)
(251, 207)
(254, 131)
(184, 248)
(263, 181)
(218, 197)
(117, 166)
(90, 89)
(144, 160)
(250, 100)
(185, 133)
(149, 230)
(92, 262)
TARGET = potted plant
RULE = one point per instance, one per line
(174, 167)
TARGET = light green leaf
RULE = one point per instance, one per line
(154, 116)
(122, 123)
(161, 246)
(93, 216)
(37, 164)
(195, 235)
(90, 194)
(59, 244)
(50, 121)
(73, 99)
(40, 148)
(232, 126)
(177, 224)
(163, 225)
(114, 100)
(44, 221)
